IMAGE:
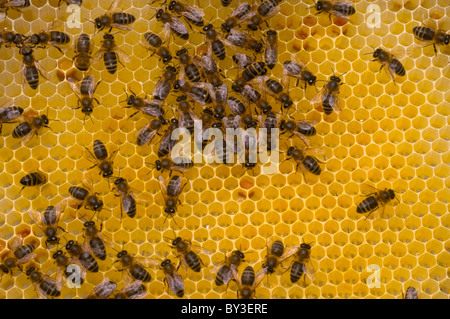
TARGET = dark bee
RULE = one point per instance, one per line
(215, 42)
(165, 83)
(111, 20)
(95, 239)
(81, 252)
(277, 90)
(244, 40)
(49, 37)
(9, 38)
(374, 199)
(266, 10)
(31, 68)
(329, 95)
(13, 4)
(85, 196)
(17, 255)
(198, 91)
(127, 199)
(148, 132)
(271, 49)
(192, 14)
(48, 222)
(173, 279)
(33, 179)
(186, 253)
(110, 53)
(26, 130)
(389, 62)
(270, 123)
(177, 164)
(172, 24)
(411, 293)
(242, 60)
(103, 290)
(273, 258)
(208, 121)
(223, 151)
(187, 116)
(247, 283)
(85, 93)
(226, 3)
(135, 290)
(134, 266)
(295, 68)
(236, 106)
(44, 285)
(301, 128)
(167, 143)
(223, 269)
(342, 9)
(431, 34)
(9, 113)
(189, 65)
(171, 192)
(154, 43)
(305, 161)
(101, 159)
(248, 74)
(83, 51)
(301, 263)
(254, 96)
(147, 106)
(65, 265)
(239, 15)
(212, 73)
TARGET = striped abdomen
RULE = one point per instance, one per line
(153, 39)
(297, 271)
(253, 70)
(423, 33)
(123, 18)
(98, 248)
(32, 76)
(110, 59)
(223, 271)
(218, 48)
(59, 37)
(328, 103)
(50, 216)
(24, 250)
(274, 86)
(100, 151)
(397, 67)
(49, 287)
(139, 273)
(367, 205)
(79, 193)
(193, 261)
(33, 179)
(267, 7)
(88, 261)
(312, 165)
(192, 73)
(344, 9)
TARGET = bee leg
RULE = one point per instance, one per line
(434, 46)
(58, 48)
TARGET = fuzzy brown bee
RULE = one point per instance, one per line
(134, 266)
(430, 34)
(101, 159)
(48, 222)
(95, 239)
(375, 199)
(247, 283)
(389, 62)
(82, 254)
(187, 254)
(172, 24)
(49, 37)
(192, 14)
(31, 68)
(127, 197)
(135, 290)
(173, 279)
(239, 15)
(302, 262)
(110, 19)
(66, 265)
(329, 95)
(110, 53)
(85, 93)
(103, 290)
(83, 52)
(33, 179)
(154, 43)
(44, 285)
(223, 270)
(305, 161)
(339, 8)
(17, 255)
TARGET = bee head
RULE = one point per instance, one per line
(447, 39)
(122, 253)
(98, 24)
(57, 254)
(391, 193)
(165, 262)
(305, 246)
(176, 241)
(377, 52)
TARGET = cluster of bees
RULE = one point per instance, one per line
(196, 80)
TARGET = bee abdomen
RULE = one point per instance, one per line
(397, 67)
(267, 6)
(183, 36)
(33, 179)
(296, 271)
(218, 49)
(274, 86)
(423, 33)
(110, 59)
(131, 207)
(193, 261)
(139, 273)
(24, 250)
(59, 37)
(192, 73)
(123, 18)
(367, 205)
(100, 151)
(219, 278)
(312, 165)
(248, 276)
(89, 262)
(326, 105)
(78, 192)
(253, 71)
(98, 247)
(32, 76)
(345, 9)
(49, 287)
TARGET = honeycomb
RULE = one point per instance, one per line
(388, 134)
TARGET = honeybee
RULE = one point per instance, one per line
(135, 290)
(65, 265)
(329, 95)
(134, 266)
(265, 11)
(273, 258)
(48, 222)
(171, 192)
(172, 24)
(192, 14)
(13, 4)
(220, 98)
(17, 255)
(190, 66)
(305, 161)
(239, 15)
(83, 52)
(164, 85)
(82, 254)
(200, 92)
(252, 71)
(167, 143)
(342, 9)
(247, 283)
(110, 53)
(226, 3)
(223, 269)
(8, 113)
(243, 40)
(254, 96)
(148, 132)
(9, 38)
(103, 290)
(299, 128)
(49, 37)
(208, 121)
(85, 93)
(154, 43)
(31, 68)
(411, 293)
(187, 116)
(36, 178)
(187, 254)
(127, 198)
(212, 73)
(95, 239)
(389, 62)
(430, 34)
(147, 106)
(111, 20)
(44, 285)
(85, 196)
(242, 60)
(297, 69)
(29, 128)
(271, 49)
(215, 42)
(270, 123)
(101, 159)
(173, 279)
(236, 106)
(277, 90)
(302, 262)
(374, 199)
(177, 164)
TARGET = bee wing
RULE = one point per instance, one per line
(91, 86)
(74, 85)
(430, 23)
(193, 13)
(103, 289)
(318, 98)
(41, 294)
(147, 46)
(216, 267)
(175, 282)
(289, 252)
(259, 276)
(145, 136)
(123, 56)
(235, 276)
(147, 261)
(15, 3)
(243, 7)
(236, 37)
(319, 152)
(247, 16)
(221, 94)
(134, 286)
(309, 270)
(177, 25)
(367, 189)
(162, 185)
(127, 203)
(99, 54)
(15, 243)
(120, 26)
(112, 7)
(37, 218)
(41, 70)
